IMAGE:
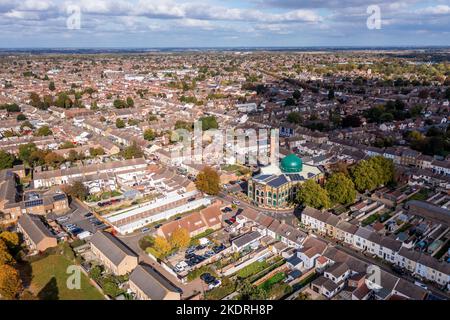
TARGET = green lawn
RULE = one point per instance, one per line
(49, 281)
(269, 283)
(252, 269)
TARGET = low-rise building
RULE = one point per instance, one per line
(113, 254)
(148, 284)
(35, 233)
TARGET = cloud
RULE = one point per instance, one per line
(436, 10)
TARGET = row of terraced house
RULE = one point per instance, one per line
(384, 247)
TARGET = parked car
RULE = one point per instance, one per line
(420, 284)
(190, 250)
(207, 278)
(214, 284)
(189, 256)
(217, 249)
(145, 230)
(158, 226)
(236, 202)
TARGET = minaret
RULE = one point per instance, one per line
(274, 147)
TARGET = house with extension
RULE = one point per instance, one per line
(113, 254)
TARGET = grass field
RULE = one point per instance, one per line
(49, 281)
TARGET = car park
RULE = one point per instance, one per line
(189, 256)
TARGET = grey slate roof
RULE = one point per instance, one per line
(34, 228)
(246, 239)
(111, 247)
(151, 282)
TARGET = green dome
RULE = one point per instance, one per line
(291, 164)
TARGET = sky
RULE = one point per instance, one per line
(223, 23)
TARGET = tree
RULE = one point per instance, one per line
(5, 256)
(208, 181)
(209, 122)
(37, 157)
(11, 239)
(133, 151)
(6, 160)
(313, 195)
(180, 238)
(149, 134)
(94, 152)
(162, 246)
(43, 131)
(35, 101)
(73, 156)
(341, 189)
(21, 117)
(364, 176)
(63, 101)
(295, 117)
(53, 159)
(25, 151)
(384, 168)
(10, 284)
(77, 190)
(51, 86)
(130, 102)
(120, 123)
(119, 104)
(352, 120)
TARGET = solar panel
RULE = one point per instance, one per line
(279, 181)
(262, 177)
(34, 203)
(59, 197)
(295, 177)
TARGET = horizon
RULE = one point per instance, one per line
(217, 24)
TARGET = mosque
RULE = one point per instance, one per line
(276, 186)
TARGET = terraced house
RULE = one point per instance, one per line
(113, 254)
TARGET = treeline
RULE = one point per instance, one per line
(10, 282)
(342, 187)
(436, 141)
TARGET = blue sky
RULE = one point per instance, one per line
(216, 23)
